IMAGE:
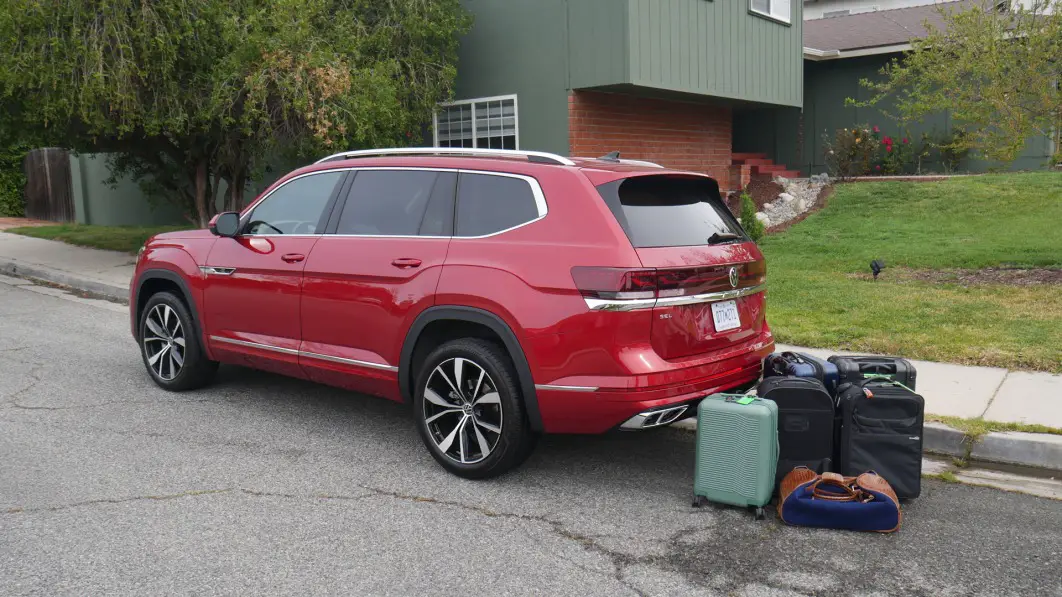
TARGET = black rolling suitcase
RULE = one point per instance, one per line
(802, 364)
(805, 423)
(855, 368)
(881, 431)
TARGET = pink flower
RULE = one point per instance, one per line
(887, 140)
(888, 148)
(876, 129)
(877, 167)
(905, 140)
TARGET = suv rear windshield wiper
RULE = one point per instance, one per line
(723, 237)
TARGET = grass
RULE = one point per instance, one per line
(977, 428)
(127, 239)
(821, 294)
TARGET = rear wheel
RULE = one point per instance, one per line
(171, 349)
(468, 409)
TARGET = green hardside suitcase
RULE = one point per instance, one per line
(737, 451)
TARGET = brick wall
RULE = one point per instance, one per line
(678, 135)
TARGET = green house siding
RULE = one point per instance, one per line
(520, 47)
(539, 50)
(797, 140)
(716, 48)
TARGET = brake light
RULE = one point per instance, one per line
(614, 283)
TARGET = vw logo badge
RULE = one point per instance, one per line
(733, 277)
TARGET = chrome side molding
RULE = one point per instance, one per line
(303, 353)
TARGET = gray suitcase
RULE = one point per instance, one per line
(737, 451)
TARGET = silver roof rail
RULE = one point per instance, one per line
(624, 162)
(532, 156)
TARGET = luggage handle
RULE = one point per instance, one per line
(878, 368)
(883, 378)
(847, 493)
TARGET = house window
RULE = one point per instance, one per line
(485, 123)
(776, 9)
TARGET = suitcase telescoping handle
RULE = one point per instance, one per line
(877, 378)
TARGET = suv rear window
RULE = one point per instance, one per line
(668, 211)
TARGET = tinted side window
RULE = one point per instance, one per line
(295, 207)
(487, 204)
(399, 202)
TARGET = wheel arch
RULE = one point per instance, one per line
(185, 294)
(480, 317)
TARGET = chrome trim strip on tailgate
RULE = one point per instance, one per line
(671, 301)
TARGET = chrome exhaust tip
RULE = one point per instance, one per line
(654, 418)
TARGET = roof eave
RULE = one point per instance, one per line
(820, 55)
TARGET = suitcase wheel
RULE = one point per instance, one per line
(760, 515)
(698, 501)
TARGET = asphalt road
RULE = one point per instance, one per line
(264, 485)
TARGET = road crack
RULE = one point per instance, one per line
(619, 560)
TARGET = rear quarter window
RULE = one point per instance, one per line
(668, 210)
(491, 203)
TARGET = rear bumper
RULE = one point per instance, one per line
(582, 409)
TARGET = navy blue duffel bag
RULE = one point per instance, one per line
(863, 503)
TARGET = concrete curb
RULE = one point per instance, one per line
(42, 273)
(1036, 450)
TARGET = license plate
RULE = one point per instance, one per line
(725, 315)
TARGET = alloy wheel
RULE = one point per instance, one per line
(462, 410)
(164, 342)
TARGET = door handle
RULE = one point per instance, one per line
(293, 257)
(406, 262)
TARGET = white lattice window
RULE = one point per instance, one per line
(776, 9)
(484, 123)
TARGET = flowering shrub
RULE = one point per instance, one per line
(863, 151)
(852, 152)
(899, 155)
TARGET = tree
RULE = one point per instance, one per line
(996, 71)
(190, 93)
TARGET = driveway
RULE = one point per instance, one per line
(265, 485)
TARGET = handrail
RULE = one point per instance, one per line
(532, 156)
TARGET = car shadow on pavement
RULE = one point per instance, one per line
(653, 459)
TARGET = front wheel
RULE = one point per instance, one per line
(171, 349)
(468, 409)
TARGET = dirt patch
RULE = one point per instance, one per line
(820, 202)
(761, 190)
(999, 276)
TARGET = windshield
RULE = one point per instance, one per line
(670, 211)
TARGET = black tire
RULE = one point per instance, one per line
(511, 446)
(195, 369)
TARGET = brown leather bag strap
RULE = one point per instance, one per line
(847, 493)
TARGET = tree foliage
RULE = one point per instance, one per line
(188, 93)
(996, 71)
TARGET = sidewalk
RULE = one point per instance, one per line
(950, 390)
(106, 273)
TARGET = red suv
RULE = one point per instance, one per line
(502, 294)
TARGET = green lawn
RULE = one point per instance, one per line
(820, 293)
(127, 239)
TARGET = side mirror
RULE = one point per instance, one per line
(226, 224)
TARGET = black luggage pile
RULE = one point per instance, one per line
(847, 415)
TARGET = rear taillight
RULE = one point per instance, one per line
(613, 283)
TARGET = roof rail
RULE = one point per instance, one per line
(532, 156)
(614, 158)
